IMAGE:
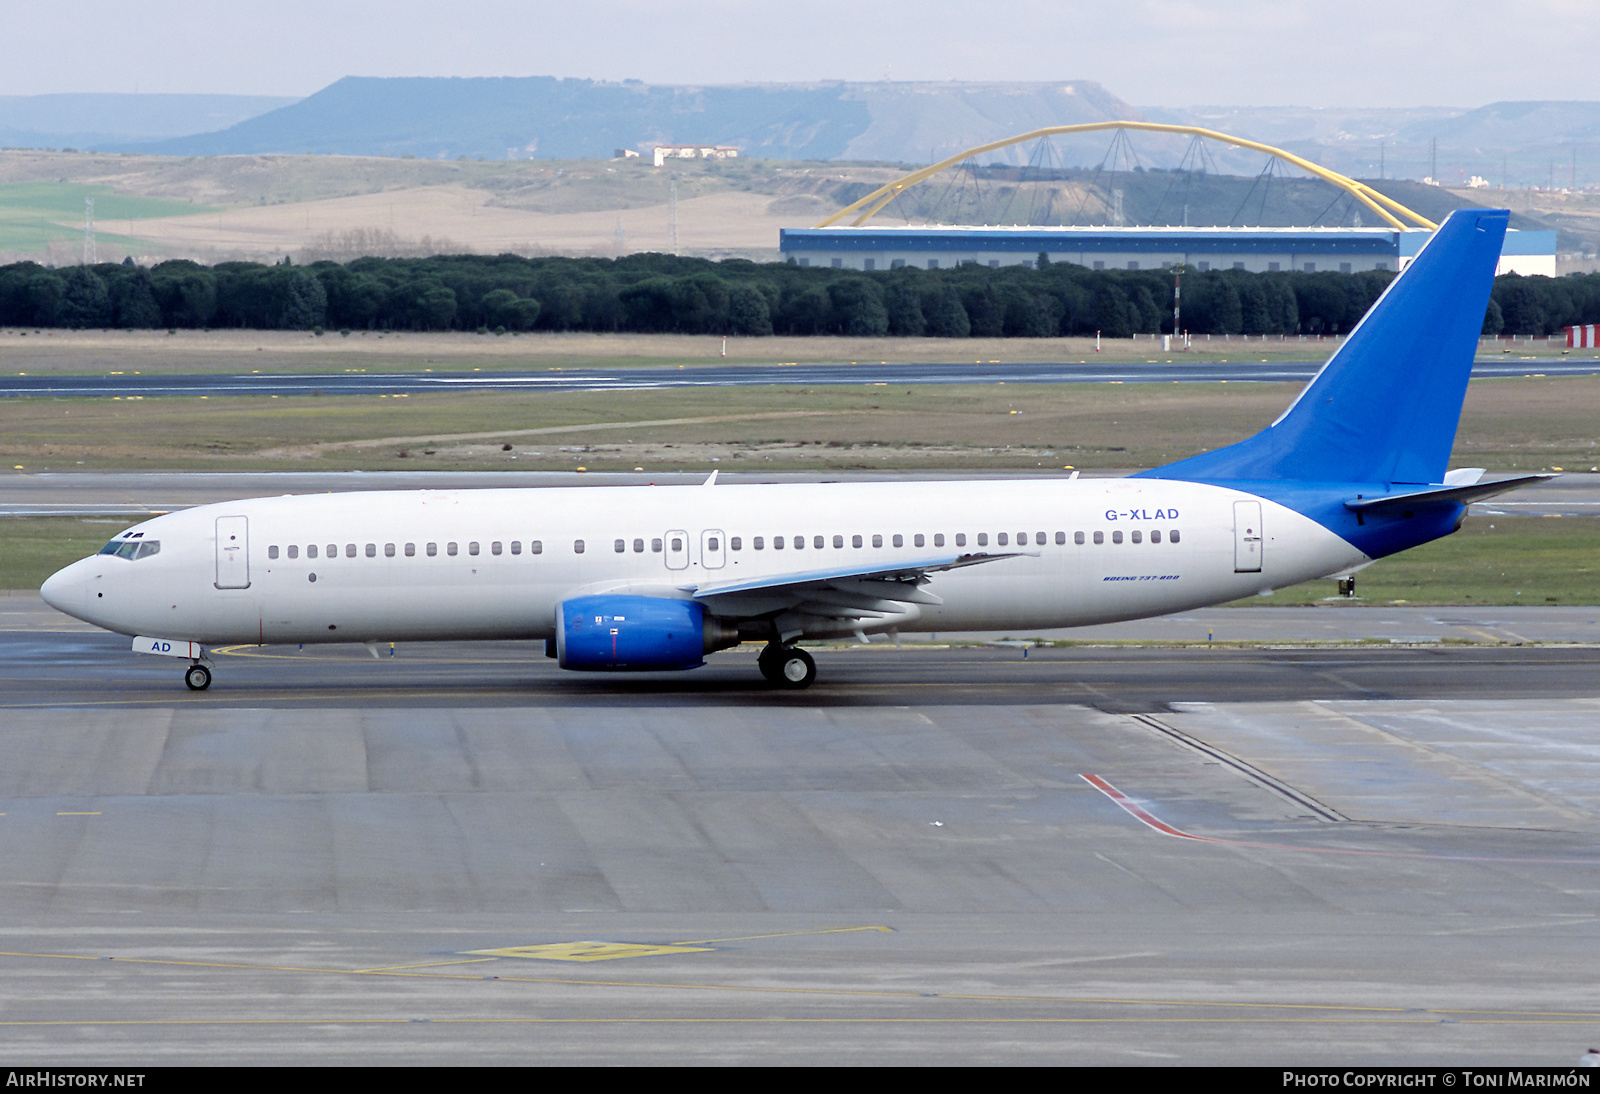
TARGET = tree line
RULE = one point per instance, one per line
(656, 293)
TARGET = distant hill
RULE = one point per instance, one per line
(548, 118)
(541, 117)
(1516, 144)
(1515, 125)
(93, 121)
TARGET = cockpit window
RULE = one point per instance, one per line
(132, 548)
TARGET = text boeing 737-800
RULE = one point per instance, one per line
(651, 578)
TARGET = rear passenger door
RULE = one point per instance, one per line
(1247, 537)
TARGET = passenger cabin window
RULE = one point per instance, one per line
(961, 539)
(516, 546)
(1136, 535)
(899, 540)
(349, 550)
(536, 547)
(110, 549)
(838, 541)
(1099, 537)
(433, 549)
(411, 550)
(817, 541)
(450, 549)
(1077, 537)
(938, 539)
(918, 540)
(1116, 537)
(577, 546)
(877, 541)
(983, 539)
(1000, 540)
(1155, 535)
(294, 551)
(311, 550)
(855, 541)
(1172, 536)
(495, 547)
(620, 546)
(735, 543)
(638, 547)
(388, 550)
(758, 542)
(472, 548)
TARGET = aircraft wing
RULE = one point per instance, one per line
(877, 593)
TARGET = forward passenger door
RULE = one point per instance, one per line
(233, 553)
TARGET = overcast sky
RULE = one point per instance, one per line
(1372, 53)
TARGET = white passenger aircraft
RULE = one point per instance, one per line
(649, 578)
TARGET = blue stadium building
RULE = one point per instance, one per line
(1259, 250)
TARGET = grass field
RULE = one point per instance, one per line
(263, 207)
(35, 215)
(1492, 560)
(33, 548)
(1513, 424)
(37, 352)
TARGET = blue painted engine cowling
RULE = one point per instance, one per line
(630, 633)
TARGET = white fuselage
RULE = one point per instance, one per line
(462, 564)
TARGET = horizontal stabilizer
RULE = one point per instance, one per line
(1459, 494)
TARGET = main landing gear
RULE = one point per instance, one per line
(787, 666)
(198, 677)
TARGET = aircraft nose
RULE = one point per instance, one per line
(66, 590)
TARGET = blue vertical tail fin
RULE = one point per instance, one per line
(1385, 407)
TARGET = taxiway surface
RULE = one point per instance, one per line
(460, 854)
(721, 375)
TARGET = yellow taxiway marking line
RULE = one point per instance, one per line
(592, 951)
(786, 934)
(425, 965)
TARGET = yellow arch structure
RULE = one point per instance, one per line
(1385, 207)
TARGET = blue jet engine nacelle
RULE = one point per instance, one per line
(637, 633)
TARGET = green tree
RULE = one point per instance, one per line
(133, 300)
(748, 313)
(858, 309)
(944, 312)
(85, 301)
